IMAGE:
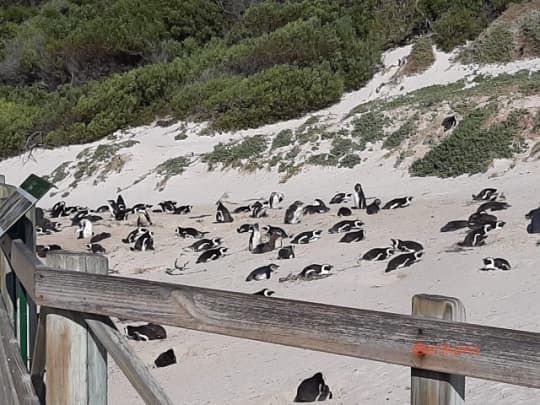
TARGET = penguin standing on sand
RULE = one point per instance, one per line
(294, 213)
(275, 199)
(374, 207)
(359, 199)
(255, 237)
(313, 389)
(85, 229)
(265, 292)
(286, 252)
(223, 215)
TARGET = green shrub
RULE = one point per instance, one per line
(369, 127)
(420, 58)
(398, 136)
(530, 31)
(323, 159)
(341, 146)
(495, 45)
(349, 161)
(232, 154)
(283, 138)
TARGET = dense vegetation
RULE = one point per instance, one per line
(77, 70)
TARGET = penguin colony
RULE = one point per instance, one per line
(268, 240)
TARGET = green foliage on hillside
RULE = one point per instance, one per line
(233, 154)
(420, 58)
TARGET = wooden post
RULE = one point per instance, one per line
(76, 365)
(432, 387)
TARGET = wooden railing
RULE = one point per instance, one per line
(87, 298)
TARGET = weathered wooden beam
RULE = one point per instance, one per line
(374, 335)
(37, 369)
(127, 360)
(15, 382)
(432, 387)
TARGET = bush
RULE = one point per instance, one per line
(495, 45)
(530, 31)
(234, 153)
(420, 58)
(397, 137)
(369, 127)
(283, 138)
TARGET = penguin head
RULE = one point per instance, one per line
(418, 255)
(326, 267)
(488, 261)
(57, 226)
(377, 202)
(390, 251)
(395, 243)
(89, 246)
(357, 187)
(267, 292)
(358, 224)
(216, 241)
(317, 233)
(265, 228)
(499, 224)
(298, 203)
(223, 250)
(273, 267)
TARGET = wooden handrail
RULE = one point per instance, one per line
(505, 355)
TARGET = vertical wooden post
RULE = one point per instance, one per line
(76, 365)
(432, 387)
(7, 284)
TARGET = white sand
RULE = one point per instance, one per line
(215, 369)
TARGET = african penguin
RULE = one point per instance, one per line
(449, 122)
(374, 207)
(346, 226)
(269, 229)
(222, 214)
(267, 246)
(377, 254)
(475, 237)
(403, 260)
(493, 206)
(316, 270)
(275, 199)
(189, 233)
(96, 248)
(359, 199)
(264, 292)
(258, 210)
(480, 218)
(344, 212)
(205, 244)
(293, 214)
(408, 246)
(99, 237)
(534, 226)
(313, 389)
(150, 331)
(244, 228)
(255, 237)
(286, 252)
(341, 198)
(496, 263)
(306, 237)
(487, 194)
(42, 250)
(144, 242)
(212, 254)
(143, 217)
(263, 272)
(165, 359)
(354, 236)
(183, 209)
(85, 229)
(133, 235)
(58, 209)
(397, 203)
(454, 226)
(319, 208)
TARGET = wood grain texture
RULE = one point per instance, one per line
(432, 387)
(15, 380)
(37, 369)
(127, 360)
(506, 355)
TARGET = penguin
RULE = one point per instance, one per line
(189, 233)
(222, 214)
(403, 260)
(313, 389)
(41, 232)
(408, 246)
(78, 217)
(85, 229)
(275, 199)
(480, 218)
(454, 226)
(165, 359)
(58, 209)
(150, 331)
(346, 226)
(212, 254)
(475, 237)
(205, 244)
(487, 194)
(139, 206)
(183, 210)
(306, 237)
(532, 213)
(397, 203)
(495, 225)
(267, 246)
(344, 212)
(534, 216)
(261, 273)
(144, 242)
(354, 236)
(378, 254)
(293, 214)
(99, 237)
(244, 228)
(497, 263)
(101, 209)
(42, 250)
(341, 198)
(133, 235)
(258, 210)
(265, 292)
(286, 252)
(255, 238)
(96, 248)
(269, 229)
(319, 208)
(374, 207)
(493, 206)
(359, 199)
(167, 207)
(143, 217)
(316, 270)
(449, 122)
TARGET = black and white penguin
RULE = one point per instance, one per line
(493, 206)
(242, 209)
(99, 237)
(255, 237)
(354, 236)
(150, 331)
(183, 209)
(398, 203)
(263, 272)
(134, 234)
(189, 233)
(346, 226)
(534, 217)
(258, 210)
(58, 209)
(449, 122)
(101, 209)
(497, 263)
(293, 214)
(139, 206)
(403, 260)
(167, 207)
(144, 242)
(165, 359)
(80, 215)
(475, 237)
(41, 232)
(341, 198)
(480, 218)
(313, 389)
(212, 254)
(275, 199)
(267, 246)
(378, 254)
(223, 215)
(42, 250)
(344, 212)
(96, 248)
(269, 229)
(316, 270)
(265, 292)
(374, 207)
(319, 208)
(244, 228)
(495, 225)
(408, 246)
(85, 229)
(286, 252)
(359, 199)
(532, 213)
(487, 194)
(306, 237)
(454, 226)
(143, 217)
(205, 244)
